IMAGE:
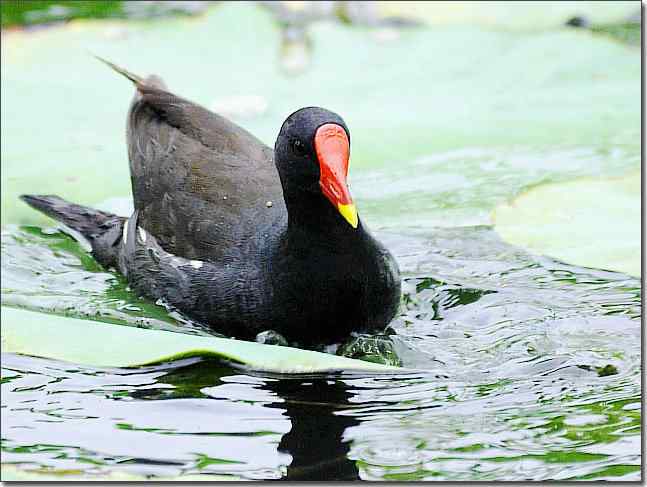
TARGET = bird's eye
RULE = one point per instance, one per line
(299, 147)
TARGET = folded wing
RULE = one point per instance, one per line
(204, 187)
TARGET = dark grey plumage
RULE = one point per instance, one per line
(205, 239)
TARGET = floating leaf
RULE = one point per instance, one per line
(587, 222)
(416, 93)
(107, 345)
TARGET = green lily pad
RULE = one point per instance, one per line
(588, 222)
(106, 345)
(410, 94)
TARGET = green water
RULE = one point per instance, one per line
(530, 367)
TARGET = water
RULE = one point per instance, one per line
(530, 367)
(532, 371)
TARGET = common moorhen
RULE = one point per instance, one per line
(238, 236)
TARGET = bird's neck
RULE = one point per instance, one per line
(312, 218)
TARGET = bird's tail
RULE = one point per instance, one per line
(138, 80)
(102, 230)
(150, 82)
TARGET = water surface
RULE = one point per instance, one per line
(532, 371)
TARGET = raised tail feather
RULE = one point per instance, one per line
(102, 230)
(152, 81)
(138, 80)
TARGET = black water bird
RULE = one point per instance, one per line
(236, 235)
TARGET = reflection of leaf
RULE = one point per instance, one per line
(613, 472)
(205, 461)
(587, 222)
(100, 344)
(11, 473)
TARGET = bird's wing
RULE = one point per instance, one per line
(204, 187)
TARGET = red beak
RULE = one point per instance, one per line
(333, 151)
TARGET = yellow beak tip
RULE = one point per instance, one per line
(349, 212)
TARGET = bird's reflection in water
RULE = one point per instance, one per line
(315, 440)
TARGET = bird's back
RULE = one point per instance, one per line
(204, 187)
